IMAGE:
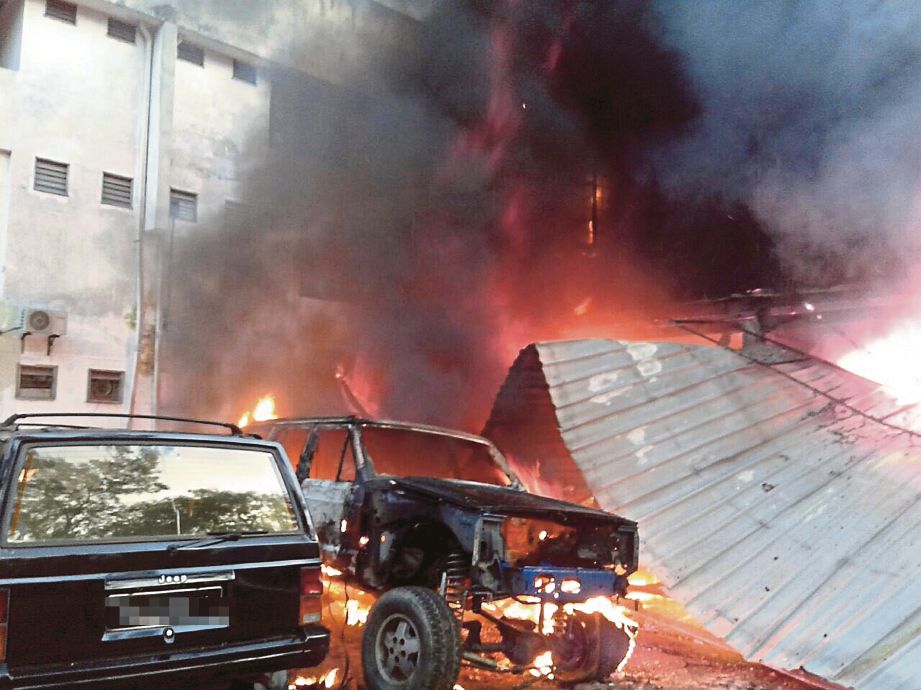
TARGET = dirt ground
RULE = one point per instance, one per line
(672, 653)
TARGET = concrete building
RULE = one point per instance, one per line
(123, 126)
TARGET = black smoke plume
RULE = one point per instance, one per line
(511, 171)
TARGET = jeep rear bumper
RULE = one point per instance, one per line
(202, 665)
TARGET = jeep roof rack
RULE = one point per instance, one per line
(12, 419)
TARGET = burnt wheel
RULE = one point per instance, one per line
(614, 646)
(411, 642)
(591, 649)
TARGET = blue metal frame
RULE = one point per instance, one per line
(595, 582)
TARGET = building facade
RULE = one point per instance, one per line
(124, 125)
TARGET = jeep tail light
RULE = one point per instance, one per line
(4, 621)
(310, 591)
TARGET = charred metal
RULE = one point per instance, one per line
(400, 506)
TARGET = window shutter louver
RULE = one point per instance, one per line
(58, 9)
(117, 190)
(50, 177)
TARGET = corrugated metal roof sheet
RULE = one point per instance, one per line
(776, 500)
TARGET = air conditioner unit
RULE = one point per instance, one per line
(44, 322)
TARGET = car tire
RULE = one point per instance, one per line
(604, 647)
(411, 642)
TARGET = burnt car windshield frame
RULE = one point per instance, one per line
(273, 427)
(494, 453)
(351, 441)
(17, 448)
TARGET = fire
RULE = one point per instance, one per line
(349, 608)
(543, 665)
(329, 571)
(325, 680)
(887, 361)
(615, 613)
(264, 410)
(353, 606)
(356, 613)
(643, 577)
(527, 608)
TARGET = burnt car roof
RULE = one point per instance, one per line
(380, 423)
(492, 449)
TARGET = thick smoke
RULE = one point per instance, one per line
(409, 233)
(810, 113)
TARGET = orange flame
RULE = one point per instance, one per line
(527, 608)
(543, 665)
(326, 680)
(264, 410)
(352, 611)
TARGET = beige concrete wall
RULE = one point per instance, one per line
(85, 99)
(325, 38)
(78, 99)
(4, 212)
(220, 127)
(9, 315)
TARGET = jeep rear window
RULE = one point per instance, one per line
(74, 493)
(412, 453)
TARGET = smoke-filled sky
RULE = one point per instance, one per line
(421, 226)
(810, 116)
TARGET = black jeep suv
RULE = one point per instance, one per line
(152, 559)
(435, 521)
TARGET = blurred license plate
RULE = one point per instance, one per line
(186, 608)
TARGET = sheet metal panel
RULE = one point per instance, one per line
(772, 498)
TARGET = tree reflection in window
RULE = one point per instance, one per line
(77, 493)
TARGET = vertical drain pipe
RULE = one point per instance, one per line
(139, 321)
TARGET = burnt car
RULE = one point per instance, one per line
(436, 521)
(152, 559)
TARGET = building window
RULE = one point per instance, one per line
(244, 71)
(104, 386)
(122, 31)
(36, 383)
(116, 190)
(183, 205)
(191, 53)
(50, 177)
(58, 9)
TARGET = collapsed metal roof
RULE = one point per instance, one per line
(777, 495)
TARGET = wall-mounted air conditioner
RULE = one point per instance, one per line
(44, 322)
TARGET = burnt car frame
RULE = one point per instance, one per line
(127, 559)
(410, 510)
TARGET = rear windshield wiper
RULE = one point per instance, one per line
(215, 538)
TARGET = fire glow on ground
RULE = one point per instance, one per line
(671, 652)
